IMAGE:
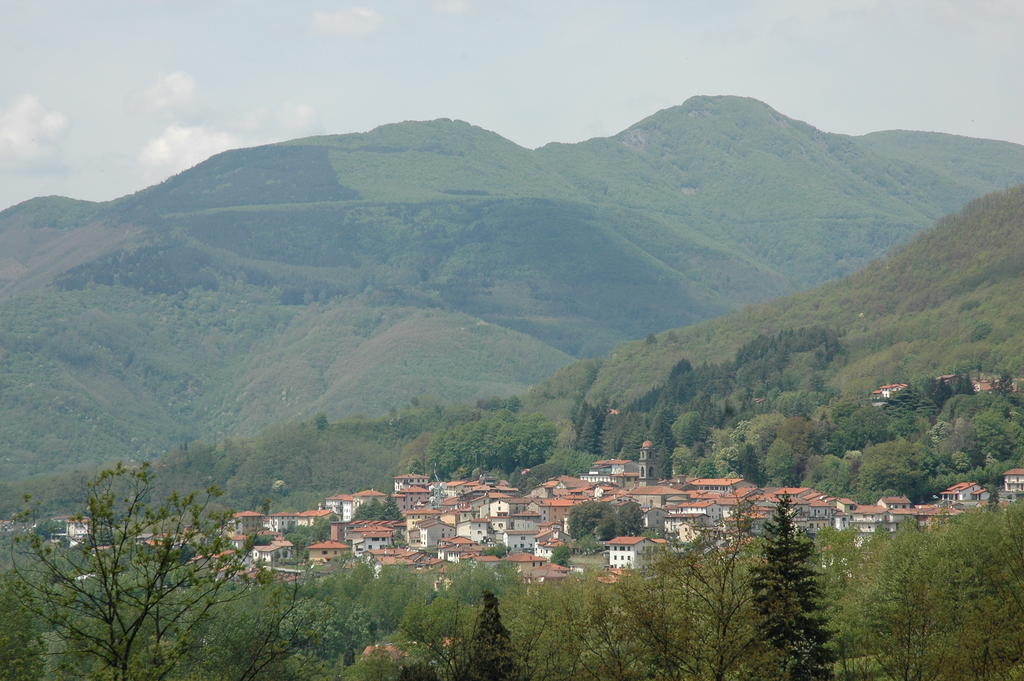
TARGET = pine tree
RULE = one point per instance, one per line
(490, 654)
(786, 594)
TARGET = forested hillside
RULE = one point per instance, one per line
(782, 393)
(350, 274)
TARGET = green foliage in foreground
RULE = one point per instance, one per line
(941, 603)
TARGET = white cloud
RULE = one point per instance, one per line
(29, 131)
(171, 92)
(355, 22)
(452, 6)
(180, 147)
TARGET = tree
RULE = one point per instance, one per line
(561, 555)
(786, 594)
(21, 646)
(128, 602)
(604, 521)
(490, 650)
(377, 510)
(693, 615)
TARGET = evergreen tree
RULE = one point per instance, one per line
(786, 594)
(390, 510)
(490, 653)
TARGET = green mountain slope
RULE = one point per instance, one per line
(349, 274)
(946, 302)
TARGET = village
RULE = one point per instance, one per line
(487, 521)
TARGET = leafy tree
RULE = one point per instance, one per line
(304, 536)
(693, 615)
(689, 429)
(502, 440)
(130, 600)
(786, 594)
(856, 427)
(781, 465)
(889, 467)
(561, 555)
(21, 646)
(604, 521)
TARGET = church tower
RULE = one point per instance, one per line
(648, 464)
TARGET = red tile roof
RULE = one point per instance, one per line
(626, 541)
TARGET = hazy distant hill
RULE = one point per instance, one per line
(350, 274)
(948, 301)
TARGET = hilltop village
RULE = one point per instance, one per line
(488, 521)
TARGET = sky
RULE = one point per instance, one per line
(102, 98)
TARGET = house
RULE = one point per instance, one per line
(525, 561)
(519, 540)
(395, 556)
(364, 540)
(282, 521)
(310, 518)
(614, 471)
(248, 522)
(525, 520)
(687, 526)
(324, 551)
(549, 572)
(885, 392)
(553, 510)
(429, 532)
(1013, 482)
(343, 506)
(721, 485)
(654, 496)
(453, 550)
(414, 517)
(964, 493)
(277, 550)
(631, 552)
(410, 480)
(654, 518)
(894, 502)
(77, 530)
(411, 497)
(545, 549)
(866, 518)
(476, 529)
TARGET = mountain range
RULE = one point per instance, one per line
(435, 261)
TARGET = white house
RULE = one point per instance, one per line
(520, 540)
(277, 550)
(964, 492)
(343, 506)
(1013, 482)
(631, 552)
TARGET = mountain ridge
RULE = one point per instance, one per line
(258, 269)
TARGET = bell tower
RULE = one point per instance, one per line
(648, 464)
